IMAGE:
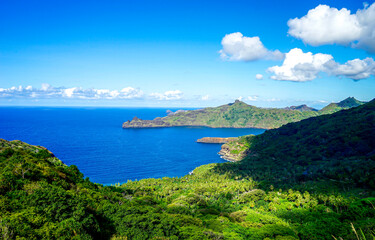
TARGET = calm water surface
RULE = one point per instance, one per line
(92, 139)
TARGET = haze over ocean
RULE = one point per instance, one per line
(93, 140)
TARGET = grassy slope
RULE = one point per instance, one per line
(242, 115)
(239, 114)
(40, 197)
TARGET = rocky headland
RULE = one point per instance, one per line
(239, 115)
(139, 123)
(218, 140)
(237, 149)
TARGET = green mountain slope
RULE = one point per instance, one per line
(344, 104)
(239, 115)
(41, 198)
(338, 147)
(306, 180)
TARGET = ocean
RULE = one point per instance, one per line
(93, 140)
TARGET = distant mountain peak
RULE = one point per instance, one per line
(350, 102)
(344, 104)
(237, 102)
(301, 108)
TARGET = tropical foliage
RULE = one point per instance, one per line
(297, 183)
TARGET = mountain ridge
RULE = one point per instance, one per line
(319, 147)
(239, 115)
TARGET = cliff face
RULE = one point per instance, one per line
(139, 123)
(216, 140)
(237, 149)
(230, 154)
(237, 115)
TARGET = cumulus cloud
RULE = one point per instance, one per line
(240, 98)
(300, 67)
(327, 25)
(47, 91)
(168, 95)
(259, 76)
(355, 69)
(237, 47)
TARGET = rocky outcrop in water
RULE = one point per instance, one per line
(231, 155)
(216, 140)
(139, 123)
(237, 149)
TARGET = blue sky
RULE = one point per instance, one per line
(185, 53)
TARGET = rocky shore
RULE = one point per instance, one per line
(228, 154)
(218, 140)
(237, 149)
(139, 123)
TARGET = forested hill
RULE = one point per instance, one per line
(326, 191)
(339, 147)
(240, 115)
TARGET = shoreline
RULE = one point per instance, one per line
(198, 126)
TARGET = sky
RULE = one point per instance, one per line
(186, 53)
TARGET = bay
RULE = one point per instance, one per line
(93, 140)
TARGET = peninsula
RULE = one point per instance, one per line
(240, 115)
(216, 140)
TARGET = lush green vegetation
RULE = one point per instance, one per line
(339, 147)
(297, 183)
(240, 115)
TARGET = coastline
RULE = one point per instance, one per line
(198, 126)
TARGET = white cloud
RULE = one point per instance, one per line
(45, 87)
(168, 95)
(47, 91)
(355, 69)
(300, 67)
(205, 98)
(128, 93)
(328, 25)
(366, 18)
(259, 76)
(69, 92)
(237, 47)
(239, 98)
(252, 98)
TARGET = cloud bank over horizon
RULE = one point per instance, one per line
(48, 91)
(168, 95)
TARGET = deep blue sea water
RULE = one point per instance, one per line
(92, 139)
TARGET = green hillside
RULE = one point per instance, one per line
(344, 104)
(240, 115)
(338, 147)
(306, 180)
